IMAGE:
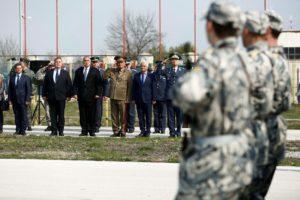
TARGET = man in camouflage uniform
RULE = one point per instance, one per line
(261, 93)
(276, 125)
(216, 163)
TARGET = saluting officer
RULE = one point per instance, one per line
(175, 116)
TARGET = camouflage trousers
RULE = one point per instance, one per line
(215, 168)
(260, 152)
(276, 129)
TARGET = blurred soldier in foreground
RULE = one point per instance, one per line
(261, 92)
(39, 77)
(159, 98)
(216, 163)
(276, 125)
(120, 96)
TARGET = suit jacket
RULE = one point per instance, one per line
(19, 93)
(142, 92)
(87, 90)
(120, 84)
(59, 90)
(172, 78)
(159, 86)
(104, 83)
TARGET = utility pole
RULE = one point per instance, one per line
(124, 29)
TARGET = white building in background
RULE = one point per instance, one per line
(290, 40)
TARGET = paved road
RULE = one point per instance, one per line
(106, 131)
(90, 180)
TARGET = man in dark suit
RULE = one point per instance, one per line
(57, 89)
(103, 86)
(19, 92)
(131, 106)
(87, 90)
(174, 113)
(142, 95)
(159, 98)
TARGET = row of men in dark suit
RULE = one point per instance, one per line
(152, 89)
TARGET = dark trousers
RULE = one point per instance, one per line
(174, 114)
(1, 116)
(57, 115)
(21, 121)
(144, 111)
(130, 116)
(99, 111)
(87, 112)
(160, 116)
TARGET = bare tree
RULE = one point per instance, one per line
(141, 35)
(8, 49)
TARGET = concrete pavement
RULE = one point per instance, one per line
(89, 180)
(107, 131)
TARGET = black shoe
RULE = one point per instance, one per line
(115, 135)
(122, 134)
(23, 133)
(83, 134)
(130, 131)
(140, 135)
(48, 128)
(61, 133)
(172, 135)
(92, 134)
(53, 133)
(1, 131)
(156, 132)
(29, 128)
(17, 133)
(162, 132)
(97, 130)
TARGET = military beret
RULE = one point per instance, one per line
(257, 22)
(276, 22)
(224, 12)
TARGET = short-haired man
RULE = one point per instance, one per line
(57, 89)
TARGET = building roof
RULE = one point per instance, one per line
(289, 38)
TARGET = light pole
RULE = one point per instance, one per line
(25, 28)
(92, 30)
(56, 25)
(195, 30)
(265, 4)
(124, 30)
(20, 28)
(160, 31)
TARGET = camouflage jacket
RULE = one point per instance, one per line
(282, 81)
(261, 78)
(216, 97)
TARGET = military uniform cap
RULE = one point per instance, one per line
(95, 59)
(224, 12)
(257, 22)
(276, 22)
(120, 59)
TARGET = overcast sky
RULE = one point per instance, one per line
(74, 24)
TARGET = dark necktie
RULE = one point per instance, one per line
(143, 78)
(56, 76)
(85, 74)
(18, 79)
